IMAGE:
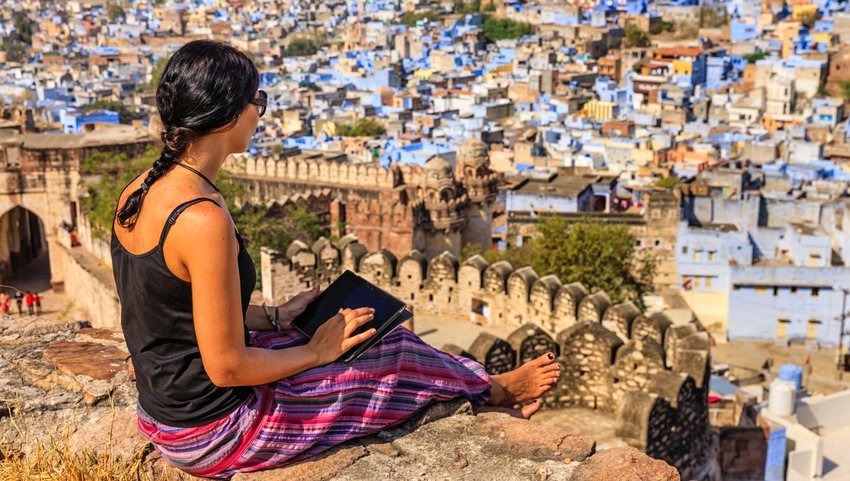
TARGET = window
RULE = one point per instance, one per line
(815, 291)
(711, 255)
(781, 327)
(657, 242)
(812, 329)
(697, 256)
(814, 260)
(685, 250)
(708, 282)
(639, 242)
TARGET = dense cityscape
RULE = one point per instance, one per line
(658, 189)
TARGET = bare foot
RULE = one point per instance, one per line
(527, 382)
(524, 412)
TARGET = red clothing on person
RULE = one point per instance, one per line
(28, 299)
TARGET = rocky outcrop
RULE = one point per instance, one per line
(69, 381)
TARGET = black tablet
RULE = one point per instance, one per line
(352, 291)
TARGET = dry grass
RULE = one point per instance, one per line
(54, 459)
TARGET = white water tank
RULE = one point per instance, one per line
(781, 398)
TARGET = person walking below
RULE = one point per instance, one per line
(4, 303)
(28, 300)
(37, 300)
(19, 300)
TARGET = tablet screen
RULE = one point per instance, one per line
(348, 291)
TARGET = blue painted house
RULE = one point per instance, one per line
(73, 121)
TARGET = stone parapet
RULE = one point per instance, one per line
(649, 374)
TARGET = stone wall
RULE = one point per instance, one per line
(89, 285)
(430, 208)
(650, 375)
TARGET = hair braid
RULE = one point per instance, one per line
(176, 141)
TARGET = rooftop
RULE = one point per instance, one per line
(558, 185)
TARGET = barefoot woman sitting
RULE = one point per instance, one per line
(220, 390)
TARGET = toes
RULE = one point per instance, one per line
(545, 359)
(550, 368)
(529, 409)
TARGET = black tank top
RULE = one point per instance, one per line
(156, 317)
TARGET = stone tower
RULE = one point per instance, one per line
(445, 202)
(482, 186)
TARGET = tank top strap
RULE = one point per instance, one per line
(176, 213)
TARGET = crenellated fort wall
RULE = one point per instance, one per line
(649, 374)
(431, 208)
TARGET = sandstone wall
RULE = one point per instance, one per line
(650, 375)
(90, 286)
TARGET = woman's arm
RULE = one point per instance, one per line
(217, 307)
(287, 312)
(255, 319)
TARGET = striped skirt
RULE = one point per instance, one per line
(300, 416)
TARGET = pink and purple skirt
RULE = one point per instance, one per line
(300, 416)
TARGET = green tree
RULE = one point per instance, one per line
(593, 253)
(125, 114)
(23, 28)
(300, 47)
(15, 51)
(470, 249)
(102, 162)
(667, 182)
(463, 7)
(517, 256)
(411, 18)
(823, 91)
(361, 128)
(114, 12)
(504, 28)
(635, 36)
(755, 57)
(112, 173)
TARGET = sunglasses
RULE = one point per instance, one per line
(261, 101)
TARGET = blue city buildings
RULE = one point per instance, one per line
(73, 121)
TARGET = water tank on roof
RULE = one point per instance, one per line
(781, 399)
(792, 373)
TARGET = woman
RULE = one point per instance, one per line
(220, 390)
(4, 303)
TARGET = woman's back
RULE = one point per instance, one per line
(158, 324)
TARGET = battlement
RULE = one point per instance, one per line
(322, 171)
(648, 373)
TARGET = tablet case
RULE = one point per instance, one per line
(349, 290)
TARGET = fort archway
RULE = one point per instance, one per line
(24, 256)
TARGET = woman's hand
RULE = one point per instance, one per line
(295, 306)
(334, 337)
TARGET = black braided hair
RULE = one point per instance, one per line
(204, 88)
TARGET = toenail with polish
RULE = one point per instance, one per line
(551, 356)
